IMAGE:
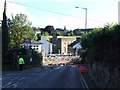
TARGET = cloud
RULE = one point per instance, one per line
(13, 9)
(51, 21)
(1, 8)
(94, 19)
(72, 23)
(57, 22)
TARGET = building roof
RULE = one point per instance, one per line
(35, 42)
(75, 42)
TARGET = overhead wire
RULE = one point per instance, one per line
(53, 12)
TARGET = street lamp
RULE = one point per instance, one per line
(85, 15)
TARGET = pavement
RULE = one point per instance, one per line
(58, 77)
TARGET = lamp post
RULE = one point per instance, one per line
(85, 15)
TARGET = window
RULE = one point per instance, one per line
(64, 49)
(37, 48)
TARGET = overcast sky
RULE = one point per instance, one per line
(60, 13)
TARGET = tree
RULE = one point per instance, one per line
(70, 33)
(46, 34)
(60, 32)
(20, 28)
(101, 43)
(77, 32)
(49, 29)
(5, 37)
(57, 34)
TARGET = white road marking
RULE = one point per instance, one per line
(14, 86)
(22, 78)
(7, 84)
(83, 80)
(26, 86)
(12, 74)
(58, 67)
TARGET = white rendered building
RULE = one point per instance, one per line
(34, 45)
(46, 46)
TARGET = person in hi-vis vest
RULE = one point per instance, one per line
(21, 63)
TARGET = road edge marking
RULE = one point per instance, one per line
(83, 80)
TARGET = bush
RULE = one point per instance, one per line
(102, 44)
(37, 57)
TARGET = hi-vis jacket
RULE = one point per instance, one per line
(21, 61)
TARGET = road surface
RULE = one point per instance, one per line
(59, 77)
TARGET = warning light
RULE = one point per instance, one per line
(63, 59)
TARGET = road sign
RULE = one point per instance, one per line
(82, 67)
(62, 58)
(27, 40)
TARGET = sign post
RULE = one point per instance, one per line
(27, 42)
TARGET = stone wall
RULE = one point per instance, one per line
(105, 76)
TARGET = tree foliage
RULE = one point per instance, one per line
(49, 29)
(77, 32)
(46, 34)
(70, 33)
(5, 36)
(101, 44)
(20, 28)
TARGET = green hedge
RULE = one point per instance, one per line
(37, 57)
(102, 44)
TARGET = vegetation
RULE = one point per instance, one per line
(77, 32)
(5, 36)
(12, 58)
(20, 28)
(37, 58)
(50, 31)
(102, 45)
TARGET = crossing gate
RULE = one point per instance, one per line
(56, 60)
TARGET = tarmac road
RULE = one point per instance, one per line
(59, 77)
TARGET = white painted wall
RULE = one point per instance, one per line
(46, 47)
(32, 46)
(77, 46)
(39, 47)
